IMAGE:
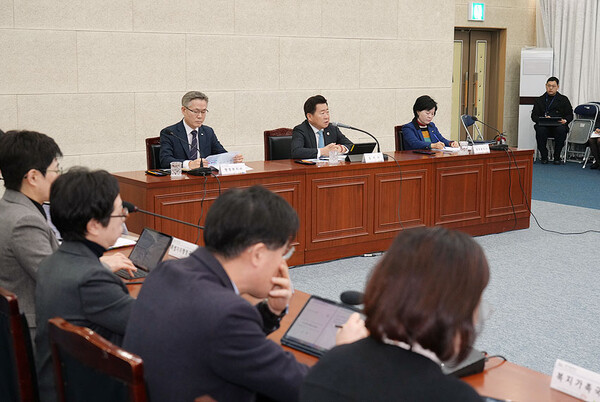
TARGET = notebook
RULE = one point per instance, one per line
(149, 250)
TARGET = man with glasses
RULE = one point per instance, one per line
(551, 104)
(189, 141)
(73, 283)
(29, 165)
(190, 325)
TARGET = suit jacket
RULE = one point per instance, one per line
(75, 285)
(369, 370)
(304, 142)
(25, 239)
(197, 336)
(413, 137)
(560, 106)
(176, 148)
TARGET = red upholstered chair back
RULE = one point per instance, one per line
(278, 144)
(94, 356)
(18, 380)
(399, 138)
(153, 153)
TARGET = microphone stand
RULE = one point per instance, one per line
(385, 157)
(136, 209)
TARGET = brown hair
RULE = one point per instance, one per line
(426, 289)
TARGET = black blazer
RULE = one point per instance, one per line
(304, 143)
(177, 149)
(369, 370)
(197, 337)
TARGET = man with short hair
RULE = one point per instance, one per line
(29, 165)
(316, 137)
(552, 104)
(195, 333)
(73, 283)
(189, 141)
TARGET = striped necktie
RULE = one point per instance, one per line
(194, 146)
(321, 142)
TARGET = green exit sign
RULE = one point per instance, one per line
(476, 11)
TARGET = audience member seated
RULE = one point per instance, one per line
(189, 141)
(73, 283)
(315, 137)
(595, 146)
(195, 333)
(551, 104)
(421, 133)
(29, 165)
(421, 304)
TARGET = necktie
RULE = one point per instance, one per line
(194, 146)
(321, 142)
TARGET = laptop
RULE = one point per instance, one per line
(149, 250)
(313, 331)
(549, 121)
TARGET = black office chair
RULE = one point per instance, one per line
(278, 144)
(153, 153)
(18, 381)
(399, 138)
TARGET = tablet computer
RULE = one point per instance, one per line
(550, 121)
(313, 331)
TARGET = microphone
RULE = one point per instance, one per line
(352, 297)
(132, 208)
(501, 136)
(342, 125)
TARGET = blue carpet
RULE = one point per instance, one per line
(567, 184)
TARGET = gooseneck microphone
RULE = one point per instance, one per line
(352, 297)
(500, 135)
(186, 146)
(342, 125)
(132, 208)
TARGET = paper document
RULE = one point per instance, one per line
(595, 135)
(216, 160)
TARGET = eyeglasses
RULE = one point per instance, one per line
(58, 170)
(197, 112)
(288, 254)
(124, 214)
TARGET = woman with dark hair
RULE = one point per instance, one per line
(421, 304)
(421, 133)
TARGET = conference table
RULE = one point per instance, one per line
(354, 208)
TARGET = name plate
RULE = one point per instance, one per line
(575, 381)
(181, 248)
(373, 157)
(227, 169)
(481, 149)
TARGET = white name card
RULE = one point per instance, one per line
(372, 157)
(227, 169)
(481, 149)
(575, 381)
(181, 248)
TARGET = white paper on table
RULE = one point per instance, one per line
(216, 160)
(451, 149)
(595, 135)
(123, 242)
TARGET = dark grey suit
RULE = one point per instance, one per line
(25, 240)
(75, 285)
(304, 142)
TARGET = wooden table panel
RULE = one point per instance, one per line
(352, 208)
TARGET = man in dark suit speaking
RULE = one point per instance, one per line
(315, 137)
(189, 141)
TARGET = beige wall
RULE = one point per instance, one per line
(518, 18)
(100, 76)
